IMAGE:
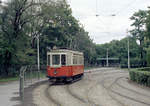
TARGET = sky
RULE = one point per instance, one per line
(112, 21)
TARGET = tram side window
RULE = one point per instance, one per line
(48, 60)
(78, 60)
(82, 60)
(63, 59)
(74, 59)
(55, 59)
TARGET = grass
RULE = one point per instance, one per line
(34, 75)
(7, 79)
(88, 67)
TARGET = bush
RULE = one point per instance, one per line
(140, 76)
(148, 81)
(148, 56)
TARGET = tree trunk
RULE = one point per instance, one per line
(7, 62)
(141, 54)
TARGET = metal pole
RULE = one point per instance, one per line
(38, 57)
(38, 52)
(128, 55)
(21, 89)
(128, 52)
(107, 58)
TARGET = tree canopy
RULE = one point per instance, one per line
(23, 21)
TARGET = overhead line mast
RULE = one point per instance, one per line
(128, 51)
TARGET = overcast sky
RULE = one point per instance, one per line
(106, 27)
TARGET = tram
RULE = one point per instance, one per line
(64, 65)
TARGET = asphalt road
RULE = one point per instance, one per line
(9, 93)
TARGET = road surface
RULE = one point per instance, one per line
(9, 93)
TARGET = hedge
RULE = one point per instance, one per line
(141, 76)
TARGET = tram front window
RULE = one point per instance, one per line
(55, 59)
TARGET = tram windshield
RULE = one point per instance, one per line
(56, 59)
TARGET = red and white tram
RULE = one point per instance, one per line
(64, 65)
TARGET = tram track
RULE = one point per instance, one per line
(92, 103)
(109, 89)
(49, 96)
(50, 92)
(101, 82)
(128, 97)
(110, 84)
(84, 100)
(102, 73)
(123, 87)
(75, 95)
(122, 95)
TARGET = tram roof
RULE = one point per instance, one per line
(65, 51)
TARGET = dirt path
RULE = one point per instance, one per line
(103, 87)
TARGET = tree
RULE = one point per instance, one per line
(139, 22)
(148, 24)
(148, 57)
(14, 44)
(57, 26)
(22, 21)
(120, 51)
(82, 42)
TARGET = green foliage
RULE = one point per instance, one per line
(140, 76)
(8, 79)
(118, 49)
(148, 24)
(139, 22)
(22, 21)
(15, 42)
(148, 57)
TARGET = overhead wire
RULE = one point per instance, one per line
(121, 10)
(126, 7)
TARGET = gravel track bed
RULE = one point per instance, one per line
(122, 94)
(51, 97)
(126, 87)
(80, 90)
(41, 97)
(102, 87)
(141, 90)
(134, 96)
(110, 77)
(63, 97)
